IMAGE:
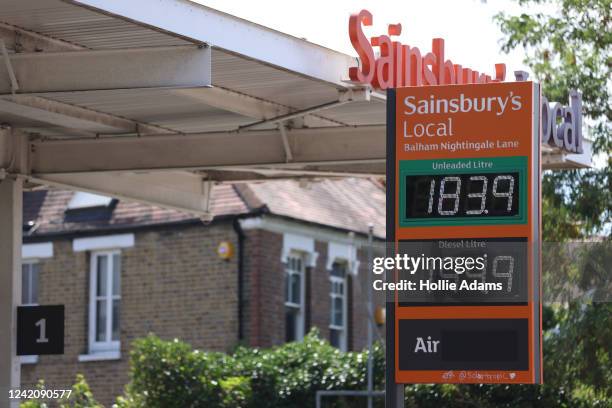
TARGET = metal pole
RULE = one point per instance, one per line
(10, 284)
(370, 316)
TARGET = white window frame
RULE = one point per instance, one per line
(300, 320)
(110, 348)
(33, 358)
(344, 282)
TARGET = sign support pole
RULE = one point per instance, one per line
(11, 196)
(394, 393)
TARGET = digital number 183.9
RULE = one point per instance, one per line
(465, 195)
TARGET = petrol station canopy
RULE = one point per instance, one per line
(157, 100)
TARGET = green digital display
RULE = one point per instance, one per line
(462, 191)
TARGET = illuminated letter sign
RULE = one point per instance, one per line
(401, 65)
(463, 185)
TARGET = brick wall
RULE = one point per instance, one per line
(263, 289)
(173, 285)
(264, 293)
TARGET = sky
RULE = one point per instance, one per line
(471, 36)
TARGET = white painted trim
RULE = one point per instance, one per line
(319, 233)
(300, 243)
(31, 359)
(37, 251)
(343, 251)
(100, 356)
(344, 296)
(109, 346)
(103, 242)
(301, 329)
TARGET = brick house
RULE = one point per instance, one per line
(278, 258)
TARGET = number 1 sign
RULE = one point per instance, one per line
(40, 330)
(471, 192)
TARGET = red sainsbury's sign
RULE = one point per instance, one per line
(401, 65)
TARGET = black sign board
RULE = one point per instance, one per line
(464, 344)
(40, 330)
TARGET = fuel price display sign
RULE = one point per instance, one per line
(463, 199)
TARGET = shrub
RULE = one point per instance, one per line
(81, 397)
(170, 374)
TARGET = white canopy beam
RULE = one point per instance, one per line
(352, 95)
(335, 149)
(74, 117)
(231, 101)
(246, 105)
(181, 66)
(194, 151)
(177, 190)
(201, 24)
(20, 40)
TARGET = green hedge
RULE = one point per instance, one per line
(169, 374)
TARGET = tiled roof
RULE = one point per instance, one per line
(47, 209)
(348, 204)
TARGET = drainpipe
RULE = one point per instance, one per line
(241, 238)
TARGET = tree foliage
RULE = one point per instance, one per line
(572, 49)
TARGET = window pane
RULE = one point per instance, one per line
(287, 288)
(295, 288)
(338, 315)
(34, 277)
(116, 274)
(116, 319)
(338, 269)
(102, 266)
(334, 337)
(290, 324)
(101, 320)
(25, 284)
(332, 310)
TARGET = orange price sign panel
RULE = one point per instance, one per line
(463, 214)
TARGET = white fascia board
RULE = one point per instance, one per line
(319, 233)
(103, 242)
(201, 24)
(37, 251)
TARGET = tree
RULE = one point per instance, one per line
(572, 50)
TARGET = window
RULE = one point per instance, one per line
(104, 301)
(338, 310)
(81, 200)
(294, 298)
(30, 271)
